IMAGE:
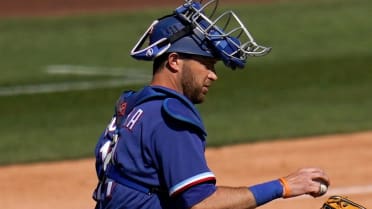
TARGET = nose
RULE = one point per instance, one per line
(212, 75)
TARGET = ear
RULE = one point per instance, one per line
(174, 62)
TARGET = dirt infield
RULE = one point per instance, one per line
(346, 158)
(69, 184)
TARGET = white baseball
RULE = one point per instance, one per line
(322, 189)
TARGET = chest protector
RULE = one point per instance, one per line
(175, 106)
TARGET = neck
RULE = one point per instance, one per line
(167, 79)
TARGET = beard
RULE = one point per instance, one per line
(191, 89)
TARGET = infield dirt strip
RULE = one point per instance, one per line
(69, 184)
(346, 158)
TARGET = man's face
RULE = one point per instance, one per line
(197, 76)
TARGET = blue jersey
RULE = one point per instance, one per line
(158, 159)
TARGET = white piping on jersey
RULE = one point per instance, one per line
(190, 181)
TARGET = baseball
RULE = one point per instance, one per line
(322, 189)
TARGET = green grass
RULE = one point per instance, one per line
(277, 100)
(53, 126)
(317, 80)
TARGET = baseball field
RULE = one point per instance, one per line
(63, 64)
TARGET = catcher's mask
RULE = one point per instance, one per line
(190, 30)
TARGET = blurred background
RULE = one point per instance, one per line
(64, 63)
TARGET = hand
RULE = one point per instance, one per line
(305, 181)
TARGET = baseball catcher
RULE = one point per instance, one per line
(151, 155)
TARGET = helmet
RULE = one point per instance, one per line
(190, 30)
(181, 37)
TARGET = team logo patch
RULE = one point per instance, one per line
(149, 52)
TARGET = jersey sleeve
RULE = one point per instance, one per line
(179, 155)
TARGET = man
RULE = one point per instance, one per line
(152, 153)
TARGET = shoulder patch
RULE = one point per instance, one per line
(183, 112)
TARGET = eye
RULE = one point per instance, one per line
(205, 63)
(210, 66)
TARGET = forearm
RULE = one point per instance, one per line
(228, 197)
(303, 181)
